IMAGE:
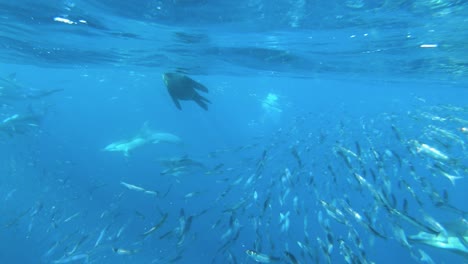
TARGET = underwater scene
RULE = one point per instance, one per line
(250, 131)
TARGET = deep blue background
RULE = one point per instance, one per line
(334, 67)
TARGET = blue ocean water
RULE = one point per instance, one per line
(337, 132)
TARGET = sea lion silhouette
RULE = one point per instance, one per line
(181, 87)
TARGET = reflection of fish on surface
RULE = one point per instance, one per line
(144, 137)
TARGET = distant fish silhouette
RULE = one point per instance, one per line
(11, 90)
(20, 123)
(43, 93)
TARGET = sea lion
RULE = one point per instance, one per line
(181, 87)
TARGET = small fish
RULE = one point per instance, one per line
(77, 245)
(260, 257)
(157, 226)
(430, 151)
(123, 251)
(191, 195)
(72, 259)
(291, 257)
(119, 233)
(138, 188)
(71, 217)
(132, 187)
(101, 235)
(297, 157)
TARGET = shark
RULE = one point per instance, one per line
(180, 165)
(126, 145)
(183, 161)
(144, 137)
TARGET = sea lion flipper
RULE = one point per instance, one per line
(201, 101)
(176, 102)
(202, 104)
(204, 99)
(195, 85)
(200, 87)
